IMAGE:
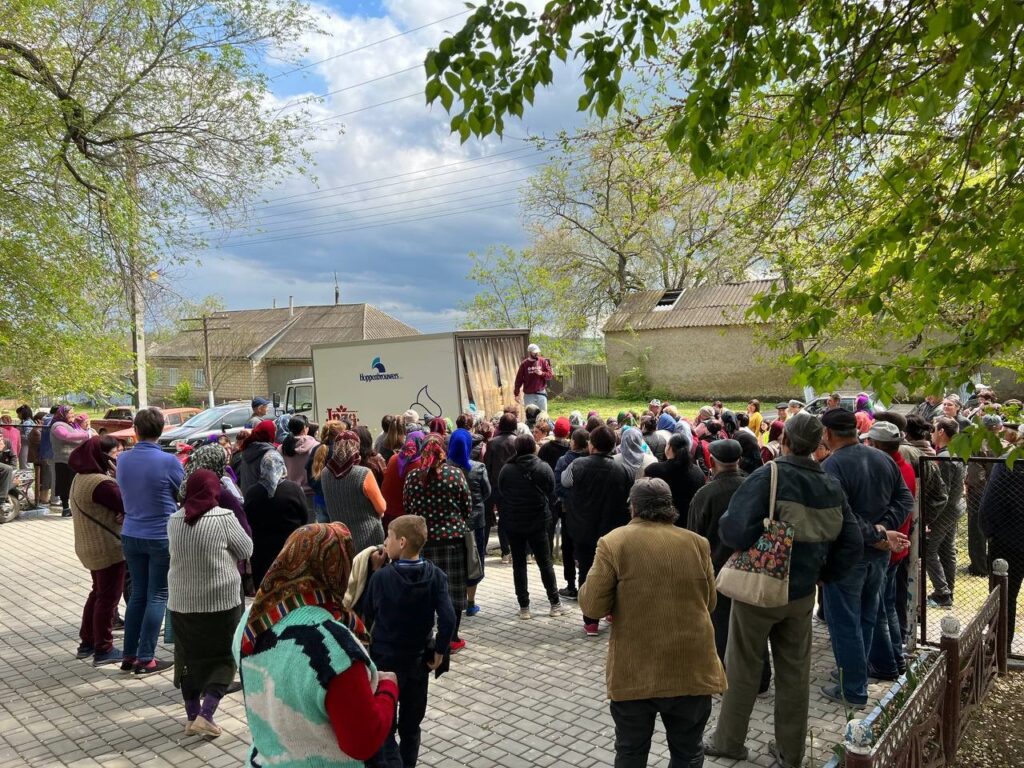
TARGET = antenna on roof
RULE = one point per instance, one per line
(337, 290)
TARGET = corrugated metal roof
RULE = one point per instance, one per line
(278, 335)
(703, 306)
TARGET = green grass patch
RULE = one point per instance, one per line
(610, 407)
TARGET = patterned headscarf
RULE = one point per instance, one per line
(62, 415)
(345, 455)
(211, 456)
(432, 458)
(272, 471)
(312, 568)
(410, 451)
(632, 449)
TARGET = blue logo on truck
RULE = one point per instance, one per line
(380, 374)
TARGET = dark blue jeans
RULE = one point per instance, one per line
(851, 610)
(886, 655)
(148, 561)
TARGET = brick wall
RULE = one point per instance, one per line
(236, 380)
(702, 363)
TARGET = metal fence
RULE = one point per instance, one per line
(920, 722)
(955, 554)
(585, 380)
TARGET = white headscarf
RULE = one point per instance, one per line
(632, 447)
(272, 471)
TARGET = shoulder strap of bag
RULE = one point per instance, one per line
(101, 525)
(774, 469)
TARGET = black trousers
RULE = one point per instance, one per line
(1014, 556)
(63, 475)
(413, 677)
(568, 556)
(684, 718)
(537, 541)
(977, 544)
(720, 621)
(585, 553)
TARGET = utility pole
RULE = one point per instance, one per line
(138, 313)
(205, 329)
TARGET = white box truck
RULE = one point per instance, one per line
(442, 374)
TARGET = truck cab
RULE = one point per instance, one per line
(298, 397)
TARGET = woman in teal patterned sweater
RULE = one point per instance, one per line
(312, 696)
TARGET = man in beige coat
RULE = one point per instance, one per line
(657, 583)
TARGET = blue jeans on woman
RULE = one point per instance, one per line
(148, 562)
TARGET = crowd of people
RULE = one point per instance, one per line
(333, 568)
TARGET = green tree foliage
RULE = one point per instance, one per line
(120, 120)
(617, 212)
(885, 138)
(182, 394)
(517, 290)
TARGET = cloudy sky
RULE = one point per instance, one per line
(398, 202)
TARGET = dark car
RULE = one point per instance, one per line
(228, 419)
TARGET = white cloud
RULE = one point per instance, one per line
(414, 266)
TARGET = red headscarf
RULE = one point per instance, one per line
(432, 458)
(202, 489)
(438, 426)
(89, 459)
(264, 432)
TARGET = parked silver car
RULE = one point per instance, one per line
(228, 419)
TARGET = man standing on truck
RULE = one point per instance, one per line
(533, 377)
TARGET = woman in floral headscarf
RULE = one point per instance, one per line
(352, 494)
(312, 695)
(398, 467)
(275, 507)
(439, 493)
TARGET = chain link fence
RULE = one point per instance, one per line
(972, 513)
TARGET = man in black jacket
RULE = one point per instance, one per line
(599, 502)
(578, 448)
(500, 449)
(826, 543)
(1002, 519)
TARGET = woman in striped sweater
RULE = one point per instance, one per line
(204, 598)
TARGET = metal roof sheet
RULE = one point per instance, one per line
(701, 306)
(277, 334)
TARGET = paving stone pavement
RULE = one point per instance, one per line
(522, 694)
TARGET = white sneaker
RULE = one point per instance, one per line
(557, 610)
(524, 613)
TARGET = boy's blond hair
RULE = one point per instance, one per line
(413, 529)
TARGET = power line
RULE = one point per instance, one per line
(396, 222)
(304, 99)
(404, 206)
(519, 169)
(517, 151)
(370, 45)
(361, 109)
(319, 194)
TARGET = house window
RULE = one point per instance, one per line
(172, 377)
(668, 300)
(199, 378)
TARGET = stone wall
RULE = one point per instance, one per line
(702, 363)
